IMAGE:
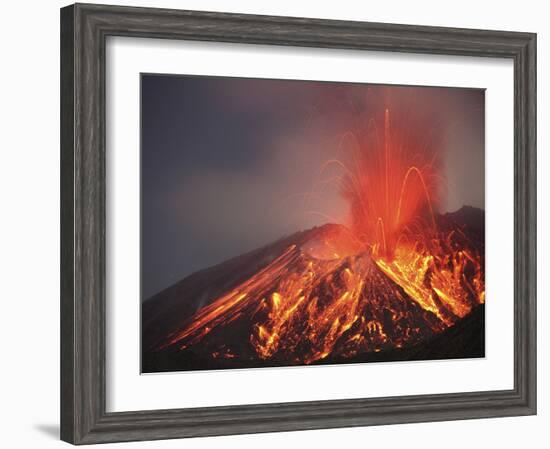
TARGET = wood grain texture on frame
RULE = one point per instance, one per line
(84, 29)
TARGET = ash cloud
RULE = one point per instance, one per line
(230, 164)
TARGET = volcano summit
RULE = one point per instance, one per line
(316, 297)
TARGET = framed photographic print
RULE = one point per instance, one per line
(274, 223)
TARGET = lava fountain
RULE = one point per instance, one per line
(391, 181)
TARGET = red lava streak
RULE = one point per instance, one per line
(394, 277)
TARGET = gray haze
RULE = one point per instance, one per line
(228, 164)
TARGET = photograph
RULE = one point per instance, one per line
(298, 222)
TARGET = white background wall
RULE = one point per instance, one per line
(29, 223)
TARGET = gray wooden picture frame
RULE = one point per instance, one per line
(84, 29)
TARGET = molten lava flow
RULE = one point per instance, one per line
(448, 282)
(303, 309)
(397, 276)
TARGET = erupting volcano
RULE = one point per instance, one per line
(396, 281)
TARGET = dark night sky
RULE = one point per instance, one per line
(225, 162)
